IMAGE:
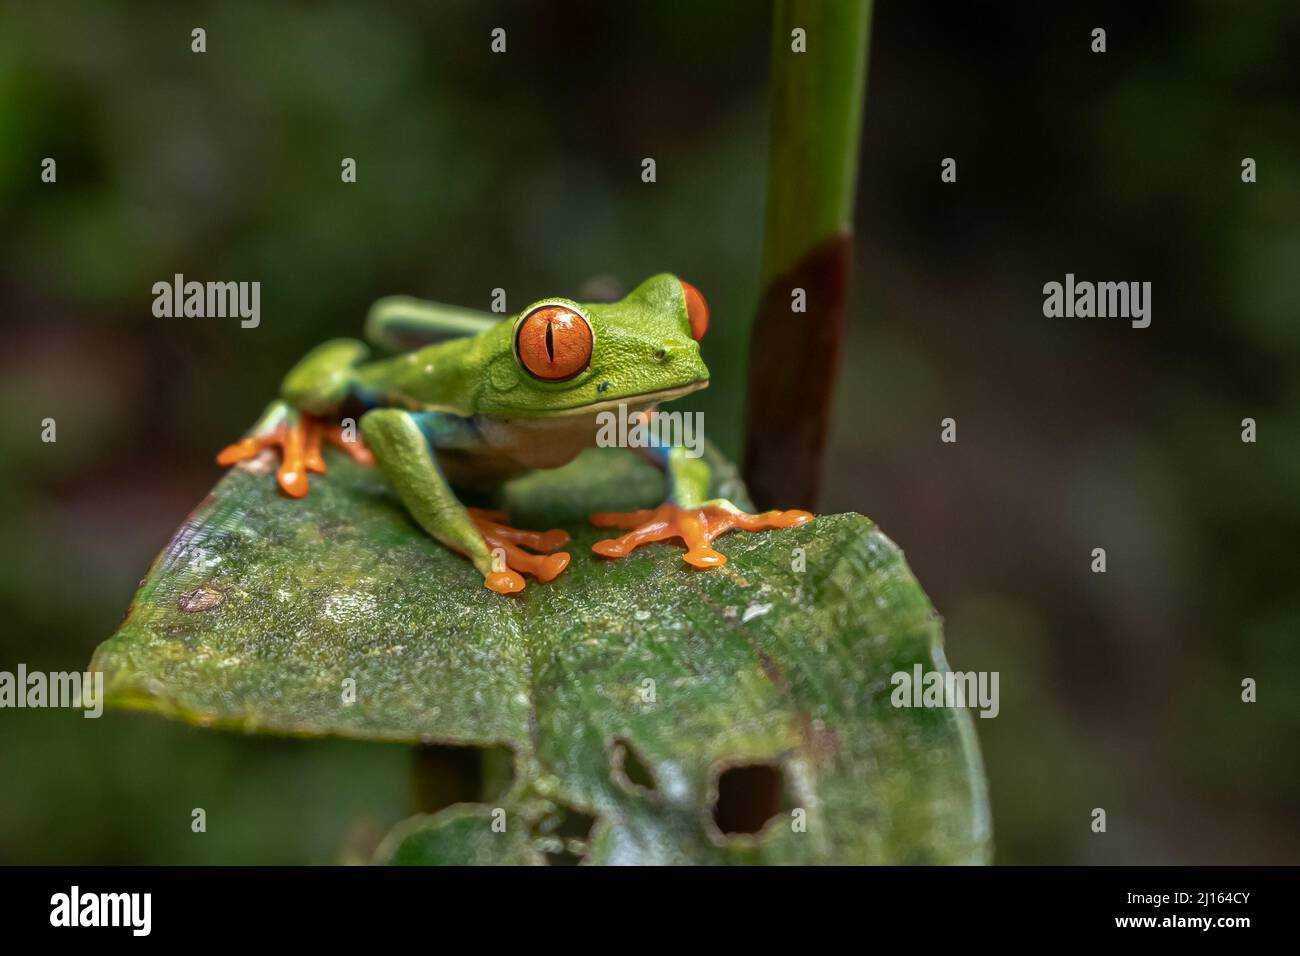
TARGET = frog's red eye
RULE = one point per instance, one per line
(697, 310)
(553, 343)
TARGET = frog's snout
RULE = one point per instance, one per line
(677, 354)
(680, 363)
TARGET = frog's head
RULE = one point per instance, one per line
(567, 357)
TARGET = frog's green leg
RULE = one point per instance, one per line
(687, 515)
(317, 386)
(324, 378)
(400, 323)
(402, 446)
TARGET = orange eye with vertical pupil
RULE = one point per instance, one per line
(553, 343)
(697, 310)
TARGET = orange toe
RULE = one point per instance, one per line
(350, 443)
(294, 451)
(504, 582)
(551, 566)
(293, 481)
(244, 449)
(704, 558)
(313, 432)
(611, 548)
(774, 519)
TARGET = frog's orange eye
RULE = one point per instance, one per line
(697, 310)
(553, 343)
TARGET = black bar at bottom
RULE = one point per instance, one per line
(239, 904)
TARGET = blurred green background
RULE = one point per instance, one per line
(522, 171)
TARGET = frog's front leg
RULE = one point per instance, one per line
(298, 437)
(686, 514)
(301, 419)
(403, 445)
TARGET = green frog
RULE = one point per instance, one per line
(471, 400)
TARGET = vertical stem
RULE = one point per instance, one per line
(816, 121)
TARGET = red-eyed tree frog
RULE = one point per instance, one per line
(474, 400)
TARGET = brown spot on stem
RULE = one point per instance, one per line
(792, 362)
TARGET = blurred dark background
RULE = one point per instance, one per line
(522, 171)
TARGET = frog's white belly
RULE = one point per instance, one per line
(547, 442)
(551, 440)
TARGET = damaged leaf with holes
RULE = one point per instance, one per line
(632, 711)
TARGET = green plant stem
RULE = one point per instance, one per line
(816, 117)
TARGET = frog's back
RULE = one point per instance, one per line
(442, 377)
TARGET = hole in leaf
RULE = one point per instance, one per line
(565, 836)
(629, 766)
(447, 773)
(749, 795)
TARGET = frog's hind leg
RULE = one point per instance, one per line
(400, 323)
(696, 527)
(686, 515)
(403, 445)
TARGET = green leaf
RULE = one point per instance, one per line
(644, 702)
(462, 835)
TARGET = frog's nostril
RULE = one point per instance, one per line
(661, 355)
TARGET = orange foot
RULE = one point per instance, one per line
(504, 541)
(696, 526)
(300, 444)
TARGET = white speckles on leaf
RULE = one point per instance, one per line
(349, 607)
